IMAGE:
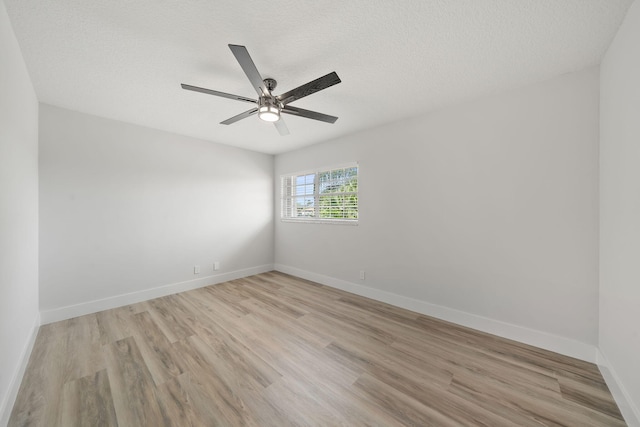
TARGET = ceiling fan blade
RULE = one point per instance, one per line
(249, 68)
(309, 114)
(309, 88)
(240, 116)
(282, 127)
(216, 93)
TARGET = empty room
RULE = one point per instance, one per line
(331, 213)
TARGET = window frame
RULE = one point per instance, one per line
(316, 195)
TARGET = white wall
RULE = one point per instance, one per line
(620, 208)
(19, 317)
(125, 210)
(488, 207)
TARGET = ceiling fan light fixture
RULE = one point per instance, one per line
(269, 113)
(268, 110)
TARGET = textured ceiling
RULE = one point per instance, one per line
(125, 60)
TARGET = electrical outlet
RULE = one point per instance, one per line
(216, 266)
(361, 274)
(196, 269)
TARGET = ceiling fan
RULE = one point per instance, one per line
(269, 106)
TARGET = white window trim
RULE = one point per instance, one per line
(316, 171)
(321, 221)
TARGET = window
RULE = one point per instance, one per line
(327, 195)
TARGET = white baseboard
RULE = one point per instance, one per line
(630, 411)
(521, 334)
(6, 406)
(62, 313)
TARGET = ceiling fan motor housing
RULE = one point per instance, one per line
(270, 83)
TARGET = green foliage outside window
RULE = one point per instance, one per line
(338, 195)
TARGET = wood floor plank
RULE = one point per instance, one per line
(208, 301)
(83, 348)
(39, 399)
(536, 407)
(275, 350)
(88, 401)
(315, 404)
(156, 350)
(63, 352)
(176, 404)
(296, 357)
(211, 391)
(425, 387)
(266, 314)
(236, 357)
(532, 357)
(451, 358)
(585, 394)
(331, 318)
(231, 345)
(115, 324)
(367, 360)
(297, 401)
(405, 409)
(134, 393)
(168, 320)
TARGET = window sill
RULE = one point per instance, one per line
(321, 221)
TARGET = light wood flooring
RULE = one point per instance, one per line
(274, 350)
